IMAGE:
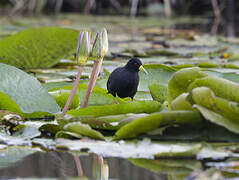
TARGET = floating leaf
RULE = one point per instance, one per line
(132, 107)
(27, 132)
(98, 97)
(113, 122)
(158, 92)
(67, 134)
(22, 93)
(147, 149)
(157, 74)
(205, 97)
(155, 120)
(61, 96)
(84, 130)
(38, 47)
(221, 87)
(180, 81)
(218, 119)
(181, 102)
(50, 128)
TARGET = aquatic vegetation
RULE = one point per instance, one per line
(189, 94)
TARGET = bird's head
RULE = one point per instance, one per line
(135, 64)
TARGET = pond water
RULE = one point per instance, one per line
(62, 164)
(83, 166)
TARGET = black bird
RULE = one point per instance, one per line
(123, 81)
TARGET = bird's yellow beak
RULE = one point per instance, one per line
(141, 68)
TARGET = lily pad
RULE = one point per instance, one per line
(205, 97)
(180, 81)
(146, 149)
(113, 122)
(218, 119)
(99, 95)
(157, 74)
(23, 94)
(221, 87)
(84, 130)
(38, 47)
(61, 96)
(132, 107)
(158, 92)
(156, 120)
(67, 134)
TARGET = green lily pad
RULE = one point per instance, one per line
(205, 97)
(156, 120)
(158, 92)
(23, 94)
(38, 47)
(99, 95)
(181, 102)
(84, 130)
(52, 128)
(221, 87)
(218, 119)
(67, 134)
(180, 81)
(61, 96)
(113, 122)
(132, 107)
(157, 74)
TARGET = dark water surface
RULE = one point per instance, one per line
(62, 164)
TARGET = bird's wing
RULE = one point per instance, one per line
(112, 80)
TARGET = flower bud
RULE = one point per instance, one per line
(83, 48)
(100, 45)
(96, 48)
(104, 42)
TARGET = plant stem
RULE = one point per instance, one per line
(78, 166)
(73, 91)
(93, 78)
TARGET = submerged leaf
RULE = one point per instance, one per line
(23, 94)
(169, 166)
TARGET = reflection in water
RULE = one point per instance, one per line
(64, 164)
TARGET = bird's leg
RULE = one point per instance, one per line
(93, 78)
(73, 91)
